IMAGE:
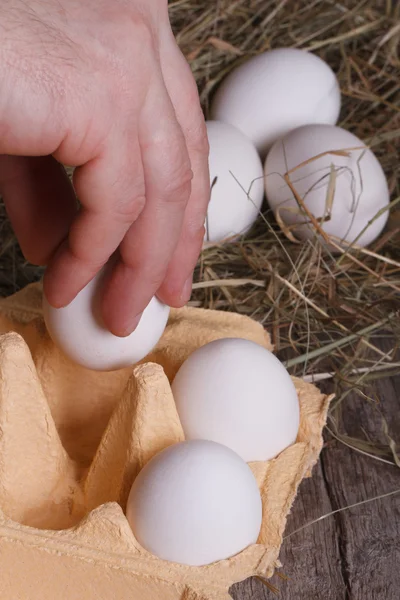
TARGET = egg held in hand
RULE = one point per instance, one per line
(79, 332)
(343, 191)
(237, 393)
(195, 503)
(275, 92)
(236, 177)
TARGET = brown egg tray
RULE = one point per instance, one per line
(72, 442)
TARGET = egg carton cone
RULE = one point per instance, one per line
(72, 442)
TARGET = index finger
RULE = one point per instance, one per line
(111, 190)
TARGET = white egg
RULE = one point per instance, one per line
(238, 191)
(195, 503)
(78, 331)
(359, 186)
(237, 393)
(275, 92)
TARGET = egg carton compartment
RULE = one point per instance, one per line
(72, 442)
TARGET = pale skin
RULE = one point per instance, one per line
(102, 86)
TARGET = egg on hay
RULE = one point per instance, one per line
(275, 92)
(336, 178)
(236, 179)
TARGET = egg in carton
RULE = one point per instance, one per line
(72, 442)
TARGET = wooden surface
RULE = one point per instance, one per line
(355, 554)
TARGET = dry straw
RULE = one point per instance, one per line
(324, 310)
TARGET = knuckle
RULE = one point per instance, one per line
(150, 275)
(129, 211)
(178, 185)
(129, 21)
(81, 253)
(154, 278)
(175, 173)
(144, 34)
(195, 233)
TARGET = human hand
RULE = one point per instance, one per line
(102, 86)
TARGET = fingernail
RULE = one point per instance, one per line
(187, 289)
(52, 295)
(129, 327)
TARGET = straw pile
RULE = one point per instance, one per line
(322, 311)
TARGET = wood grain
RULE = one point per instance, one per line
(354, 554)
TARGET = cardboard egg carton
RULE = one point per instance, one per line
(72, 442)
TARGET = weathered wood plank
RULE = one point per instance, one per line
(355, 554)
(311, 558)
(369, 534)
